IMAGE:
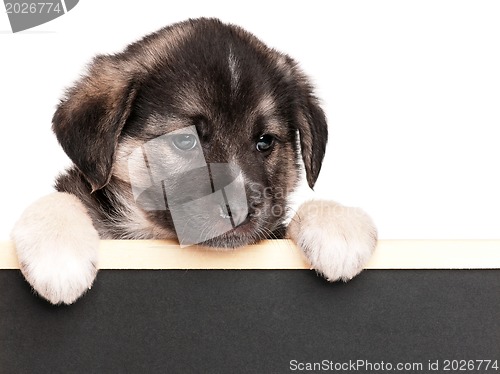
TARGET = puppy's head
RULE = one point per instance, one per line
(200, 120)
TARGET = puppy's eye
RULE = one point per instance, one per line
(265, 143)
(184, 142)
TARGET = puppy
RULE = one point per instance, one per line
(196, 132)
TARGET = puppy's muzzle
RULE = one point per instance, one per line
(204, 202)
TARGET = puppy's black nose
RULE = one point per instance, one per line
(237, 215)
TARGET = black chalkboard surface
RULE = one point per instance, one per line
(256, 321)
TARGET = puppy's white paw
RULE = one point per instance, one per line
(57, 247)
(338, 241)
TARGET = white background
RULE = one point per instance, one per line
(411, 90)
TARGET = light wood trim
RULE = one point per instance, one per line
(283, 254)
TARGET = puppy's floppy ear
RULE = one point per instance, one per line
(313, 130)
(89, 120)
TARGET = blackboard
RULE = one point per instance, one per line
(253, 321)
